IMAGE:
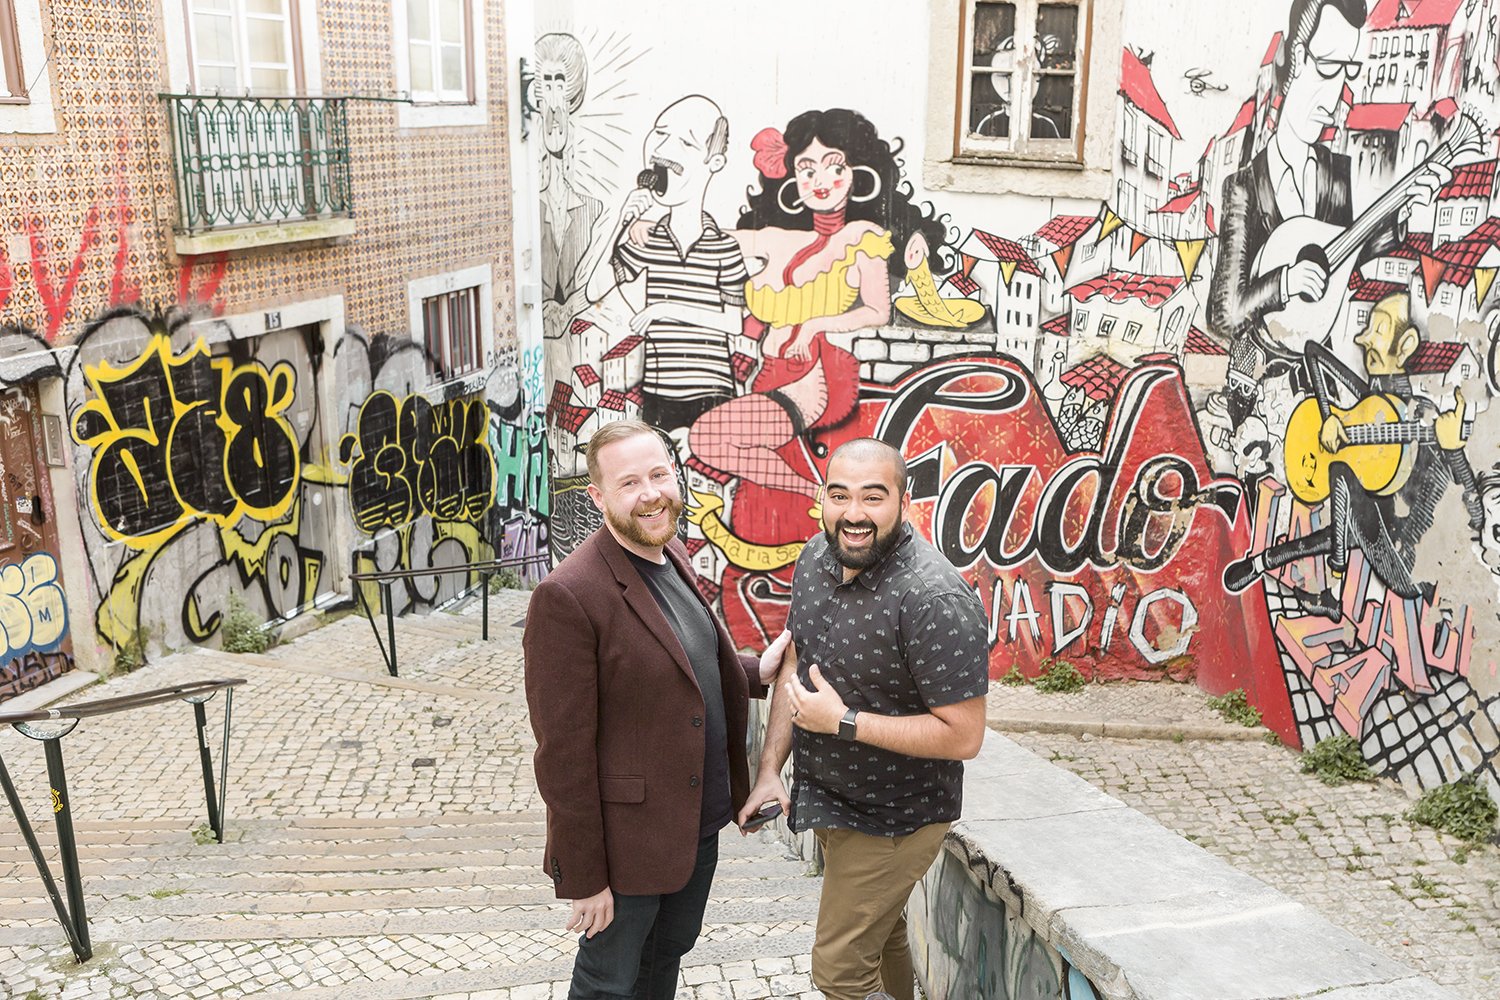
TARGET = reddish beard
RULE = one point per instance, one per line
(628, 527)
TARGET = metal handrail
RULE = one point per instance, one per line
(72, 915)
(385, 578)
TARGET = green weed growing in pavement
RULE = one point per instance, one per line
(1059, 677)
(1337, 760)
(240, 632)
(1014, 677)
(505, 579)
(1427, 886)
(1235, 707)
(131, 654)
(165, 893)
(204, 834)
(1463, 809)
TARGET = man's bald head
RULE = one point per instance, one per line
(873, 450)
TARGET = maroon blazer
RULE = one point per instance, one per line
(618, 718)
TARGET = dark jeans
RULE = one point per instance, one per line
(636, 957)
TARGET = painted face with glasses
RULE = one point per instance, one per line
(1319, 71)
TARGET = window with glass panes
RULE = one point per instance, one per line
(1022, 78)
(437, 38)
(451, 332)
(243, 46)
(12, 79)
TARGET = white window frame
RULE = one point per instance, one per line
(472, 110)
(33, 113)
(181, 79)
(243, 66)
(481, 276)
(434, 44)
(1025, 78)
(1086, 172)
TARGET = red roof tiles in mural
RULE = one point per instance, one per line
(1470, 250)
(1118, 286)
(1008, 250)
(1199, 342)
(1372, 291)
(562, 395)
(962, 283)
(1445, 109)
(1139, 89)
(1378, 117)
(1244, 118)
(1063, 230)
(707, 471)
(579, 326)
(1412, 14)
(586, 375)
(613, 399)
(1472, 180)
(1097, 378)
(624, 347)
(571, 418)
(1270, 56)
(1434, 359)
(1058, 326)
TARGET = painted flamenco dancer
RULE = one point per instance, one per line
(819, 236)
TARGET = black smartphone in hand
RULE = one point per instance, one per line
(761, 817)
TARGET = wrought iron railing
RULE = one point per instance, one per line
(244, 161)
(50, 725)
(536, 563)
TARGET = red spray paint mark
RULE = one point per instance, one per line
(55, 299)
(218, 264)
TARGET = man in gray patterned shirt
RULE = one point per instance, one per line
(881, 696)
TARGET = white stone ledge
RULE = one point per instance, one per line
(251, 237)
(1143, 913)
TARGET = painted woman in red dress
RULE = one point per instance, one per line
(820, 236)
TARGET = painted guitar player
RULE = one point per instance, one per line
(1383, 463)
(1290, 235)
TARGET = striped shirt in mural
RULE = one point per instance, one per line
(684, 360)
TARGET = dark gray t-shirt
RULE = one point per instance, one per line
(700, 640)
(904, 636)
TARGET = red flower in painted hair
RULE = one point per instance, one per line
(770, 153)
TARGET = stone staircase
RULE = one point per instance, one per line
(410, 893)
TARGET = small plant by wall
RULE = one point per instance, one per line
(1014, 677)
(1060, 677)
(240, 631)
(505, 579)
(1235, 707)
(1463, 809)
(131, 655)
(1337, 760)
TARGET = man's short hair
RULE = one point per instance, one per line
(565, 51)
(718, 143)
(1302, 19)
(615, 430)
(867, 448)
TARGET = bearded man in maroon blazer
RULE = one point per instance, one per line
(639, 704)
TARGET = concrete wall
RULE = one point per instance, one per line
(1095, 402)
(257, 424)
(1049, 889)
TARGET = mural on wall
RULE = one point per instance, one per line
(967, 943)
(1278, 355)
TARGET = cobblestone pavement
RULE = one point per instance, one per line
(384, 839)
(1346, 850)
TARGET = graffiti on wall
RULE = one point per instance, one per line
(1278, 354)
(968, 943)
(33, 613)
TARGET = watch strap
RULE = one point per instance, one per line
(847, 728)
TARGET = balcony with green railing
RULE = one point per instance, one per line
(253, 171)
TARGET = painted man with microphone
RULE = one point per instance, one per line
(685, 282)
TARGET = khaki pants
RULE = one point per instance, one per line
(860, 944)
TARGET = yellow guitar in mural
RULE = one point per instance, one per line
(1381, 450)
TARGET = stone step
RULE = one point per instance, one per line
(324, 876)
(305, 926)
(212, 898)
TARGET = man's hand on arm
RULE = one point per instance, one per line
(947, 732)
(592, 915)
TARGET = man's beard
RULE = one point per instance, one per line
(863, 558)
(628, 527)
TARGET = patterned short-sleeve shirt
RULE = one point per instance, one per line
(904, 636)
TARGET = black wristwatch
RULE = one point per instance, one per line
(846, 725)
